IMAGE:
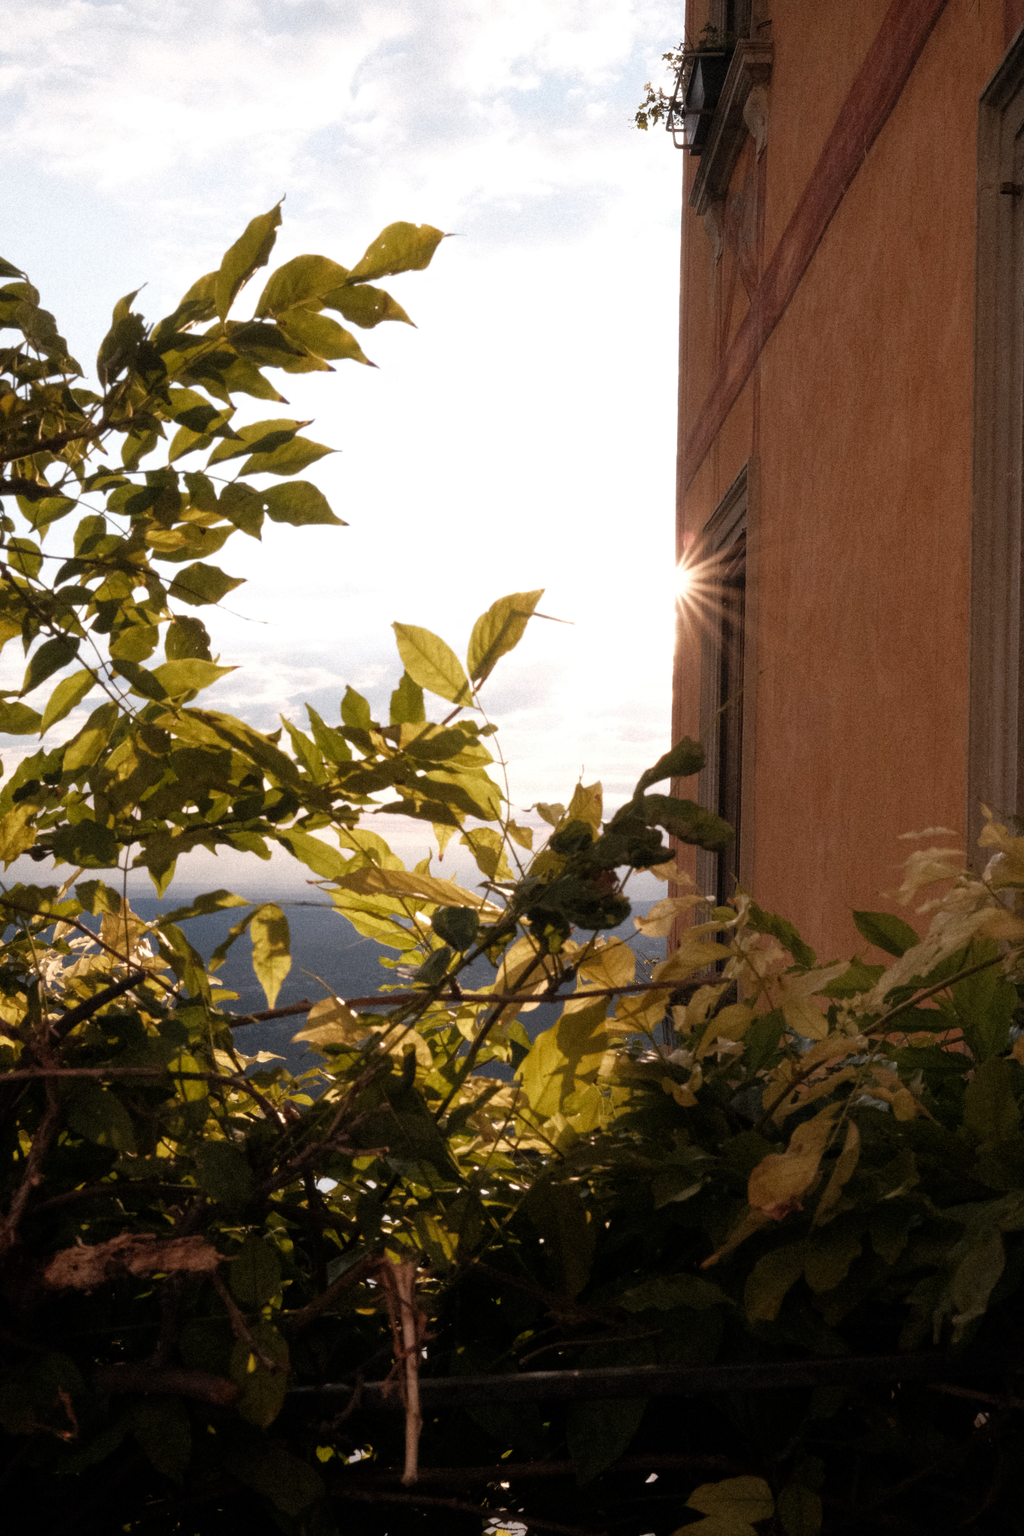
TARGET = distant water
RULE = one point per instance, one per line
(325, 945)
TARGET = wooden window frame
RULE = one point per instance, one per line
(728, 554)
(995, 774)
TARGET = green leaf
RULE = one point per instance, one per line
(329, 741)
(886, 932)
(799, 1510)
(67, 695)
(255, 1273)
(99, 1115)
(599, 1431)
(398, 248)
(557, 1212)
(355, 711)
(19, 719)
(682, 761)
(769, 1281)
(262, 1393)
(499, 631)
(25, 556)
(297, 282)
(685, 819)
(85, 843)
(199, 584)
(186, 639)
(982, 1261)
(224, 1173)
(985, 1004)
(257, 437)
(244, 507)
(322, 336)
(457, 926)
(432, 664)
(364, 306)
(407, 703)
(271, 948)
(250, 252)
(289, 1484)
(300, 504)
(748, 1498)
(188, 675)
(288, 459)
(318, 856)
(990, 1106)
(161, 1429)
(664, 1293)
(783, 930)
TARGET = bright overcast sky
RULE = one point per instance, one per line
(523, 436)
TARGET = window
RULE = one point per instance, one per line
(726, 711)
(731, 17)
(995, 774)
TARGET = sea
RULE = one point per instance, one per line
(329, 956)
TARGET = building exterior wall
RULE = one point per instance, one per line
(858, 411)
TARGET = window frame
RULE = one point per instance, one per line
(995, 774)
(728, 552)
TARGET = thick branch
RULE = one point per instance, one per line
(202, 1386)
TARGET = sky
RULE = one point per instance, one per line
(522, 436)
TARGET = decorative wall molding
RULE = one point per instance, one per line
(749, 72)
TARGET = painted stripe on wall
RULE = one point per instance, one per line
(887, 67)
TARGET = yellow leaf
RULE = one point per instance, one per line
(643, 1012)
(750, 1498)
(663, 914)
(609, 963)
(15, 836)
(373, 881)
(332, 1022)
(564, 1058)
(271, 949)
(731, 1023)
(778, 1181)
(585, 805)
(693, 955)
(804, 1017)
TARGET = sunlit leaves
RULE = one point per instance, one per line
(398, 248)
(199, 584)
(432, 663)
(271, 949)
(499, 631)
(250, 252)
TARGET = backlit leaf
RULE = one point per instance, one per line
(398, 248)
(299, 503)
(199, 584)
(432, 664)
(67, 695)
(271, 949)
(297, 282)
(499, 631)
(255, 1273)
(250, 252)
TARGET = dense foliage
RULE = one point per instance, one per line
(742, 1156)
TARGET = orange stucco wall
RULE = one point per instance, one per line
(859, 411)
